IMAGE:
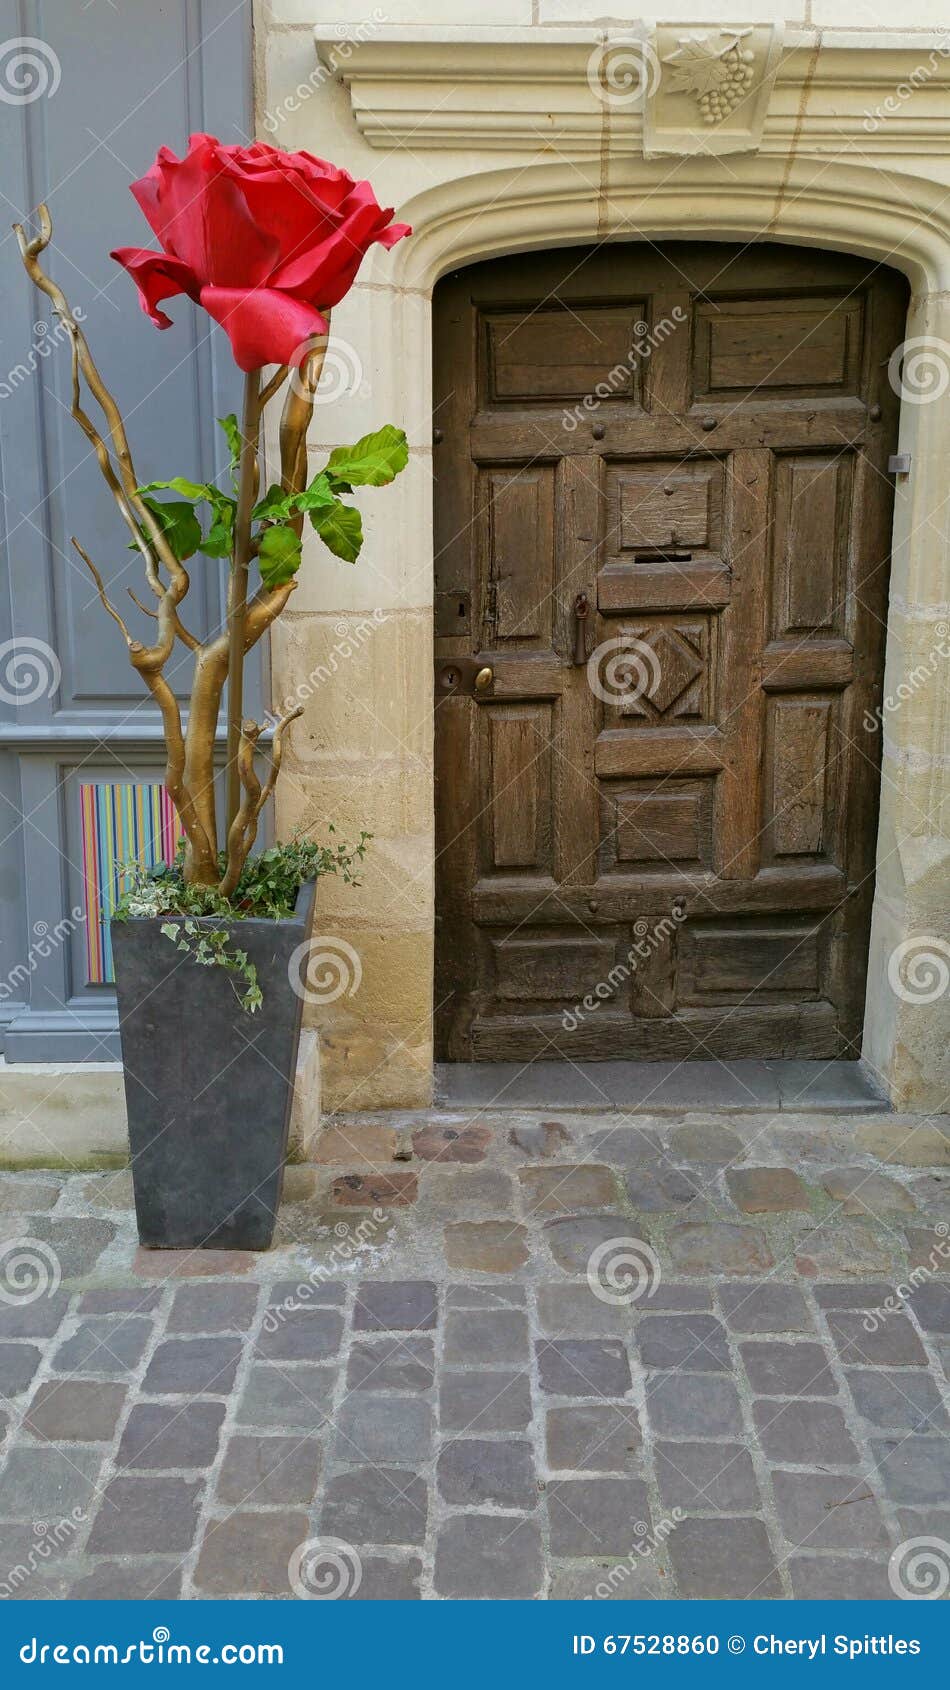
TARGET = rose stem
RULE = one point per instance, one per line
(237, 594)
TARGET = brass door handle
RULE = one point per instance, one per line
(484, 679)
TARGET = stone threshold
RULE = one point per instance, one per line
(659, 1087)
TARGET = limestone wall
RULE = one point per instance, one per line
(494, 138)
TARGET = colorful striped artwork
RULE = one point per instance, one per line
(122, 822)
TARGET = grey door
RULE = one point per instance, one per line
(87, 95)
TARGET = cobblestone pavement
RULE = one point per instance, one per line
(501, 1356)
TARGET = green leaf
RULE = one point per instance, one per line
(276, 505)
(170, 929)
(179, 524)
(193, 490)
(373, 461)
(279, 556)
(317, 496)
(232, 430)
(340, 527)
(219, 540)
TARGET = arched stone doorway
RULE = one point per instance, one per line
(663, 520)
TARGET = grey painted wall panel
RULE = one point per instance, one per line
(111, 85)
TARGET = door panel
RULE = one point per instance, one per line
(656, 822)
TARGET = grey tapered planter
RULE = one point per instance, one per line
(208, 1087)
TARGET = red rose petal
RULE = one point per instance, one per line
(157, 277)
(263, 325)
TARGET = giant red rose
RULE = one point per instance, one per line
(265, 240)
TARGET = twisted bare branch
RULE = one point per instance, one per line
(295, 421)
(243, 831)
(189, 770)
(106, 601)
(274, 385)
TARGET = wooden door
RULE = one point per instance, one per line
(656, 822)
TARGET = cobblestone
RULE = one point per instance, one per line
(468, 1393)
(766, 1190)
(480, 1557)
(724, 1558)
(475, 1470)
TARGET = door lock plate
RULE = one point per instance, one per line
(458, 677)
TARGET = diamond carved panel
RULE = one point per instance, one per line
(666, 674)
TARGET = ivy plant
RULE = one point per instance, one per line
(267, 888)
